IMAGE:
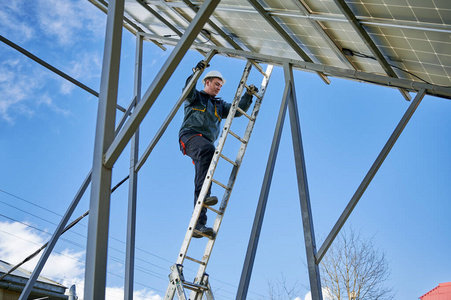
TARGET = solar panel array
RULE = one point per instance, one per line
(409, 39)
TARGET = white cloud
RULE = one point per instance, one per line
(55, 20)
(58, 26)
(46, 100)
(65, 19)
(18, 241)
(15, 86)
(326, 295)
(13, 18)
(21, 89)
(118, 293)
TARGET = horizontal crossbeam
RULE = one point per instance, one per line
(410, 85)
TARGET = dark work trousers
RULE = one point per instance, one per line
(201, 152)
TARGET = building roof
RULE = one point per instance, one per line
(19, 277)
(441, 292)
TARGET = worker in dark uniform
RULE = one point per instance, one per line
(200, 129)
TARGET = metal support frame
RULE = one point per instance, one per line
(97, 242)
(53, 69)
(107, 149)
(221, 31)
(369, 42)
(328, 16)
(159, 17)
(172, 113)
(289, 99)
(133, 182)
(369, 176)
(112, 49)
(304, 196)
(278, 28)
(218, 29)
(263, 199)
(128, 24)
(320, 29)
(59, 230)
(410, 85)
(159, 82)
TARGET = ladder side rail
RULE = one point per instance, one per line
(234, 173)
(176, 280)
(208, 292)
(212, 168)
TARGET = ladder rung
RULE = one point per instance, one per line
(236, 136)
(194, 286)
(254, 93)
(220, 184)
(202, 234)
(258, 67)
(215, 210)
(229, 160)
(195, 260)
(244, 114)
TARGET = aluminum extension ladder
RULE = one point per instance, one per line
(200, 285)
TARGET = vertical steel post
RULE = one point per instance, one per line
(133, 182)
(61, 226)
(97, 243)
(263, 199)
(304, 197)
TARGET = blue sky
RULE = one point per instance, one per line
(47, 130)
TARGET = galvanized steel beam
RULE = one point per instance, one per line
(278, 28)
(329, 17)
(263, 199)
(369, 176)
(128, 24)
(172, 113)
(97, 242)
(224, 35)
(323, 33)
(159, 82)
(60, 229)
(52, 68)
(159, 17)
(304, 196)
(368, 42)
(133, 182)
(51, 244)
(410, 85)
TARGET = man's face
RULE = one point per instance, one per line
(213, 86)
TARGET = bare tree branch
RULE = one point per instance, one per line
(354, 269)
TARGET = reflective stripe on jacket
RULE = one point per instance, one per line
(203, 113)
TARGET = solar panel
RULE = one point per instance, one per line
(413, 36)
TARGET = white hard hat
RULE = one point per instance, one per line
(213, 74)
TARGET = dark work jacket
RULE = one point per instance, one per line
(203, 113)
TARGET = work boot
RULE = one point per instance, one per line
(210, 201)
(204, 229)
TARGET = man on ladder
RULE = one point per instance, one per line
(200, 129)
